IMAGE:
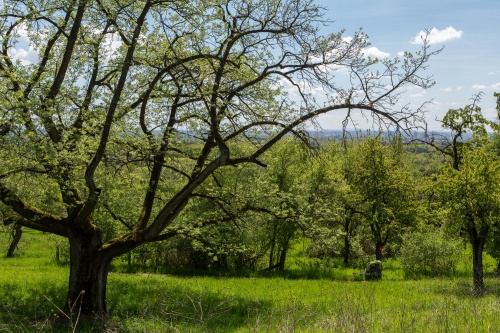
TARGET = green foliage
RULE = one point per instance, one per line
(467, 120)
(429, 253)
(470, 185)
(124, 129)
(462, 121)
(381, 177)
(473, 192)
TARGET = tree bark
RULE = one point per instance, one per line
(348, 226)
(347, 249)
(477, 264)
(477, 238)
(284, 250)
(16, 237)
(272, 246)
(88, 276)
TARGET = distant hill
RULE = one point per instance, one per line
(354, 134)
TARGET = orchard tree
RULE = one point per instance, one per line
(493, 244)
(168, 87)
(473, 197)
(333, 201)
(286, 164)
(386, 189)
(471, 200)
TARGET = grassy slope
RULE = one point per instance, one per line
(32, 285)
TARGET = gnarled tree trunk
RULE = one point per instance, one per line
(88, 276)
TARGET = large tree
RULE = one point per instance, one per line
(166, 87)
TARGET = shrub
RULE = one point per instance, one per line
(429, 253)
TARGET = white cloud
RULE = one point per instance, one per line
(401, 53)
(437, 36)
(494, 86)
(325, 68)
(293, 91)
(22, 32)
(26, 57)
(371, 51)
(110, 45)
(419, 94)
(23, 52)
(347, 39)
(449, 89)
(374, 52)
(410, 88)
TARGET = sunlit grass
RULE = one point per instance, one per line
(32, 286)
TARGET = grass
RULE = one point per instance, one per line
(32, 285)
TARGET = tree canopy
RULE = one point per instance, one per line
(168, 87)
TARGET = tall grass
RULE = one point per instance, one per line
(32, 285)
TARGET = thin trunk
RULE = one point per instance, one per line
(378, 250)
(477, 263)
(477, 238)
(16, 237)
(271, 255)
(347, 238)
(273, 246)
(284, 250)
(380, 243)
(347, 249)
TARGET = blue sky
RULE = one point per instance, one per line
(469, 30)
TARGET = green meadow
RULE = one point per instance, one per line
(33, 287)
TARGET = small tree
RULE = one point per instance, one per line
(334, 201)
(476, 223)
(473, 198)
(386, 189)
